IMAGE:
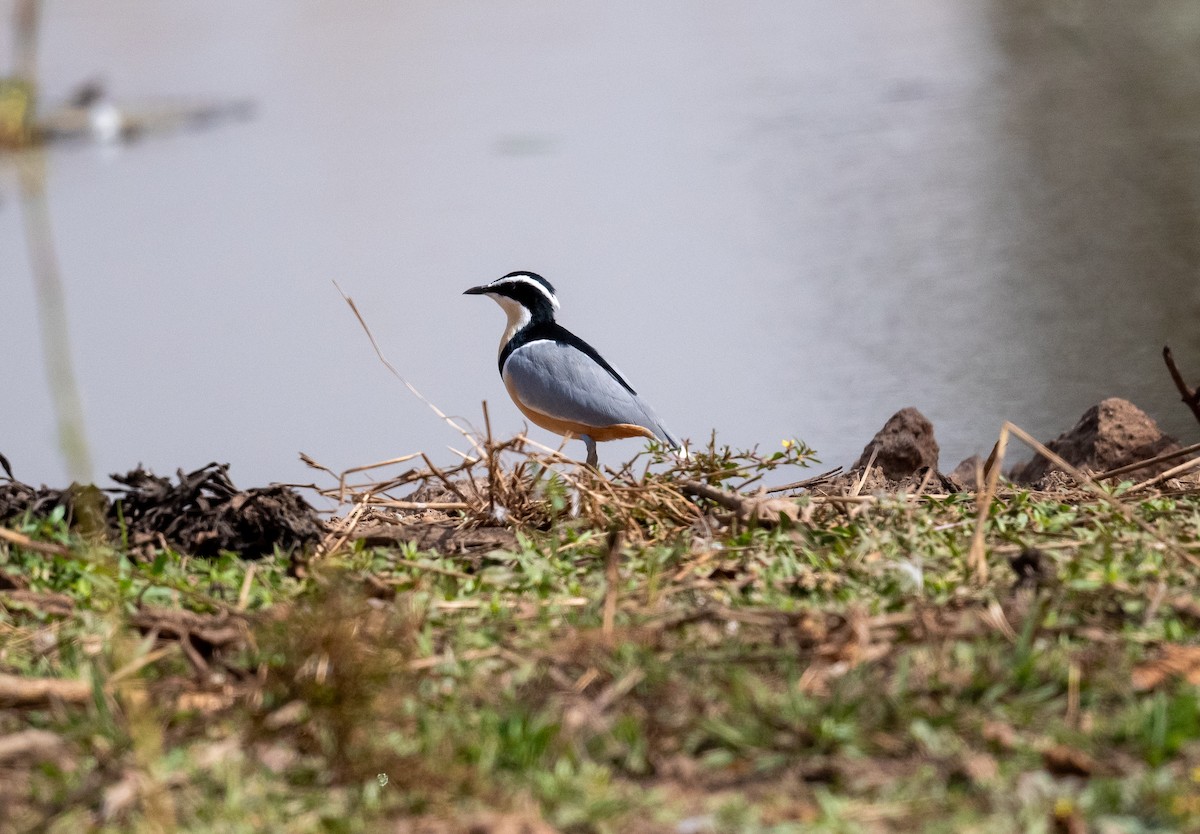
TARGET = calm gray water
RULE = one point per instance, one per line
(780, 219)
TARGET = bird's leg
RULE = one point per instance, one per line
(593, 460)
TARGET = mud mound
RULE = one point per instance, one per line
(202, 513)
(1110, 434)
(904, 445)
(86, 507)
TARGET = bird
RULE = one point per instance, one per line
(558, 380)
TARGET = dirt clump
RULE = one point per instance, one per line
(200, 513)
(1112, 433)
(85, 507)
(904, 445)
(966, 474)
(204, 513)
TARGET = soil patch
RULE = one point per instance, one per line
(904, 445)
(1110, 434)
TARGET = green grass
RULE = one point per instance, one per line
(848, 674)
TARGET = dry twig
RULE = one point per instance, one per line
(762, 510)
(1163, 458)
(25, 543)
(397, 374)
(1190, 397)
(1173, 472)
(612, 581)
(977, 556)
(16, 691)
(808, 482)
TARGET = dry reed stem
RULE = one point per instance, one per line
(925, 479)
(26, 24)
(472, 604)
(1073, 681)
(18, 691)
(1133, 467)
(340, 493)
(866, 471)
(399, 376)
(51, 308)
(1166, 476)
(977, 554)
(138, 663)
(808, 482)
(25, 543)
(617, 689)
(244, 592)
(556, 454)
(441, 506)
(845, 499)
(341, 530)
(612, 580)
(356, 469)
(441, 476)
(490, 446)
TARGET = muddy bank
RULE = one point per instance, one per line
(1112, 438)
(643, 621)
(203, 513)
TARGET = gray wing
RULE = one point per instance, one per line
(563, 382)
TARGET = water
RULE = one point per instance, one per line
(780, 219)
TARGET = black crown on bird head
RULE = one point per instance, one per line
(530, 290)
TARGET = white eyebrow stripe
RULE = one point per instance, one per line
(521, 279)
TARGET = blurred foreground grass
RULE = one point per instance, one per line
(838, 673)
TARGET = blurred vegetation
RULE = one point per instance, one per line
(18, 92)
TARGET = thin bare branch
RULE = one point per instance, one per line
(449, 421)
(1190, 397)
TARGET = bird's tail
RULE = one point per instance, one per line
(656, 425)
(674, 443)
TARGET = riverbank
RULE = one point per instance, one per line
(523, 645)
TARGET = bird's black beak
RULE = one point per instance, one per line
(475, 291)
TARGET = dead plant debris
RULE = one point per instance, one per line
(1171, 662)
(200, 513)
(517, 643)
